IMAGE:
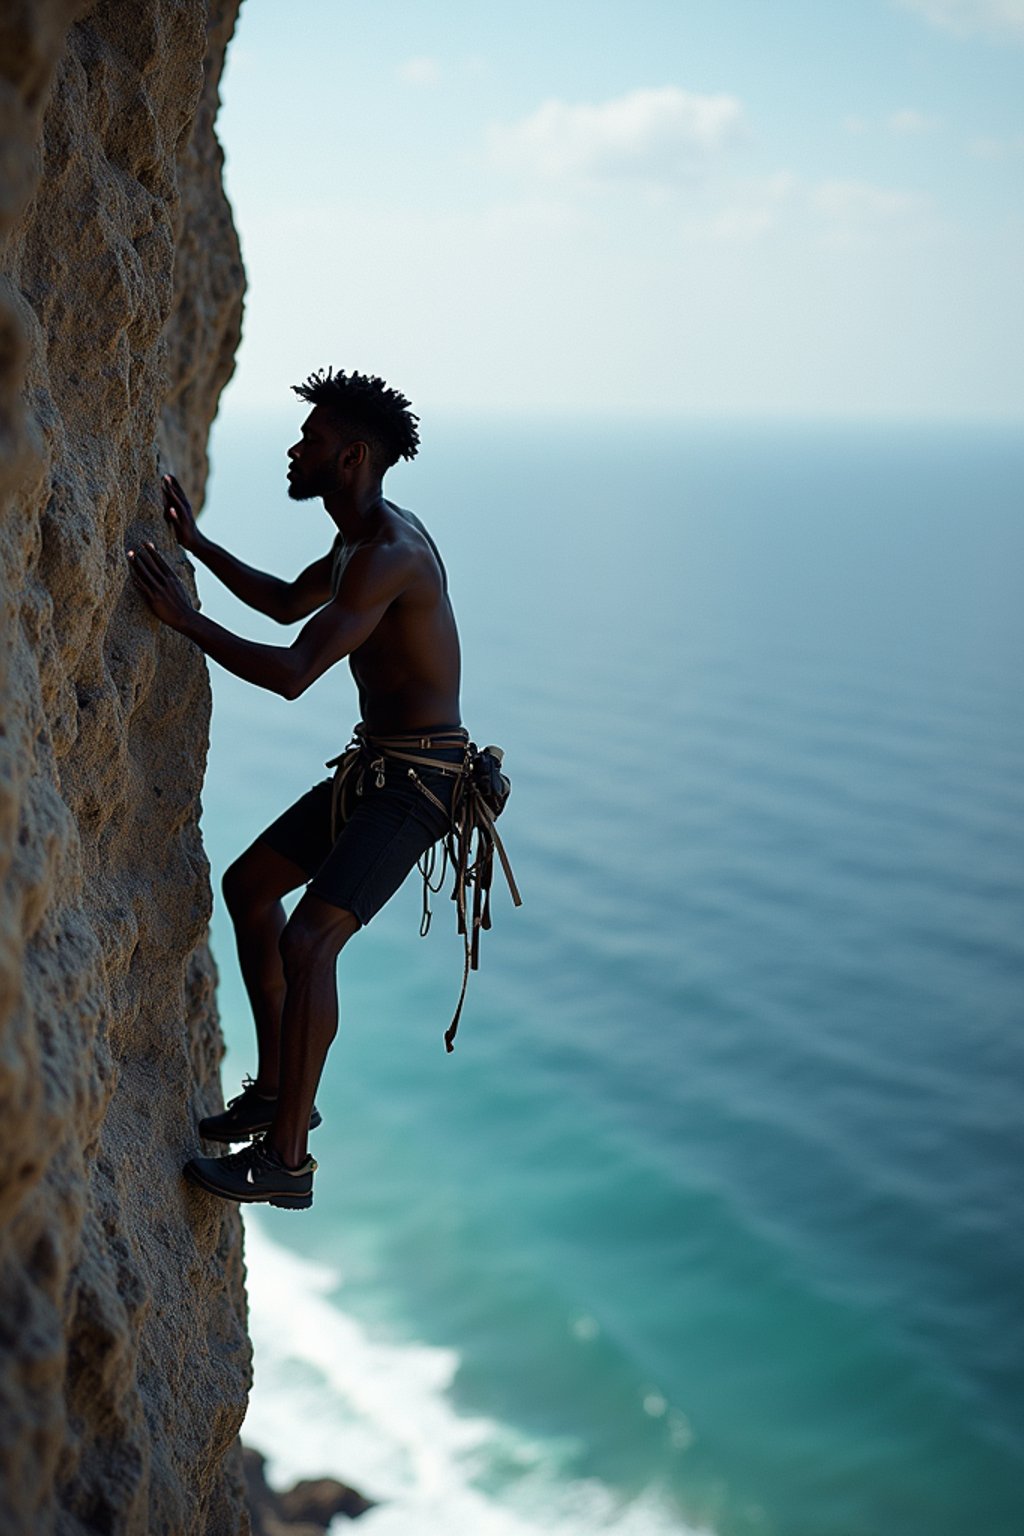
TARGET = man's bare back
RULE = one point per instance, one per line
(407, 670)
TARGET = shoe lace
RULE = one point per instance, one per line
(248, 1085)
(258, 1151)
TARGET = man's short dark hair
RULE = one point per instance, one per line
(381, 416)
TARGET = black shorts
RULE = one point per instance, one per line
(390, 827)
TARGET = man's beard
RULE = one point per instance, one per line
(322, 482)
(298, 490)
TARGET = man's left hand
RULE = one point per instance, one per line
(159, 586)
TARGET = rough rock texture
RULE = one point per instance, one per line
(124, 1360)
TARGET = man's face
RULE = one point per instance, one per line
(315, 469)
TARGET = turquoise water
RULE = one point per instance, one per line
(710, 1222)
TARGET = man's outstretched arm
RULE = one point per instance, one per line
(372, 582)
(285, 601)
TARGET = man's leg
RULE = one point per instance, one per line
(253, 887)
(310, 944)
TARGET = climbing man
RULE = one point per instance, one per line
(380, 598)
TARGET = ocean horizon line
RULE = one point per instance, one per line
(498, 415)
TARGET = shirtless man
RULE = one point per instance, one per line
(380, 598)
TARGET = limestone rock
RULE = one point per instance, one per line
(124, 1358)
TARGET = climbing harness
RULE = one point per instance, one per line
(471, 841)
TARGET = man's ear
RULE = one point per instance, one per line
(355, 455)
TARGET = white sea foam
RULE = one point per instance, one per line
(329, 1399)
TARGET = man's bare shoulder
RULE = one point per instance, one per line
(409, 530)
(397, 560)
(401, 524)
(386, 556)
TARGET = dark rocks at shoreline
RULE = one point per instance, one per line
(305, 1510)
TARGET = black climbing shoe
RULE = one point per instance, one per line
(247, 1114)
(254, 1173)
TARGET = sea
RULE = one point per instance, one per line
(712, 1221)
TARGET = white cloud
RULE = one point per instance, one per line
(652, 136)
(998, 18)
(420, 71)
(908, 121)
(860, 215)
(987, 147)
(749, 210)
(842, 212)
(734, 224)
(861, 201)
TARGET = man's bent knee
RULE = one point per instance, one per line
(236, 887)
(258, 878)
(315, 934)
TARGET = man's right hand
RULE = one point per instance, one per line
(178, 511)
(285, 601)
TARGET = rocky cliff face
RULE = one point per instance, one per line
(124, 1361)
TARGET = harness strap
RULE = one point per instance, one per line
(470, 816)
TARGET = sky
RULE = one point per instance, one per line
(693, 208)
